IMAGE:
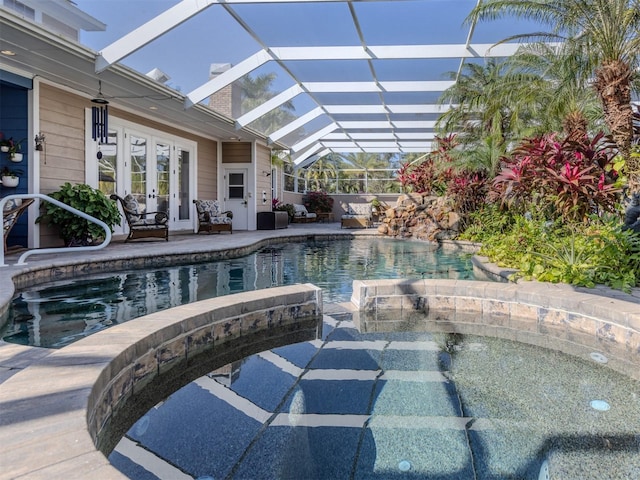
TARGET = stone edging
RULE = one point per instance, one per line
(550, 315)
(55, 411)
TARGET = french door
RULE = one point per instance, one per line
(150, 173)
(157, 169)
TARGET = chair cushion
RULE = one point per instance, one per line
(132, 208)
(209, 211)
(11, 204)
(360, 209)
(8, 220)
(300, 210)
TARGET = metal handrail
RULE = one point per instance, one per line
(64, 206)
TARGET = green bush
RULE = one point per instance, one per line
(75, 230)
(598, 252)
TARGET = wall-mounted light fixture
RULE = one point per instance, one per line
(40, 139)
(264, 196)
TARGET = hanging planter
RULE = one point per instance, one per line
(9, 181)
(10, 178)
(4, 148)
(15, 157)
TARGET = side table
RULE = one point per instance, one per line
(326, 217)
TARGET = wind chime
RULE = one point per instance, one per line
(100, 117)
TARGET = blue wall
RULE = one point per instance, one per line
(14, 123)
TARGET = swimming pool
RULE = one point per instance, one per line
(57, 314)
(390, 405)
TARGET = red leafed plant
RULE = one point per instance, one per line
(570, 179)
(468, 190)
(432, 174)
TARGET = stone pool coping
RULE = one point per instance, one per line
(555, 316)
(56, 410)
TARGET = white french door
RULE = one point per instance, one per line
(156, 168)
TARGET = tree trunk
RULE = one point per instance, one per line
(575, 126)
(613, 85)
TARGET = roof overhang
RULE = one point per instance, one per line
(71, 66)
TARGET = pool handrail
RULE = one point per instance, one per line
(64, 206)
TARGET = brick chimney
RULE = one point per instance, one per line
(227, 100)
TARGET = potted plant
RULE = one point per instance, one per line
(10, 178)
(75, 230)
(278, 206)
(15, 150)
(4, 143)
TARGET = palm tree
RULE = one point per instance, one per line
(257, 90)
(607, 32)
(487, 101)
(564, 101)
(322, 175)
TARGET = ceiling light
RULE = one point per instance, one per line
(8, 53)
(153, 107)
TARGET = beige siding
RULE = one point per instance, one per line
(62, 122)
(263, 182)
(207, 171)
(236, 152)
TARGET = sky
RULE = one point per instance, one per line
(213, 36)
(185, 53)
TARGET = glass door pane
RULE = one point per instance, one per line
(108, 164)
(161, 193)
(184, 193)
(139, 170)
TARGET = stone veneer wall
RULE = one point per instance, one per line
(548, 315)
(58, 409)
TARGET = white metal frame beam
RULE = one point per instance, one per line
(269, 105)
(155, 28)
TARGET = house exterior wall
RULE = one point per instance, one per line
(263, 181)
(236, 152)
(62, 121)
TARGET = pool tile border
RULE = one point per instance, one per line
(548, 315)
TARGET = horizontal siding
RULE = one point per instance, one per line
(236, 152)
(263, 182)
(207, 171)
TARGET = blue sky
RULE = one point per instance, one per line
(214, 37)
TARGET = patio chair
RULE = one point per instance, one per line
(142, 224)
(359, 215)
(211, 218)
(302, 215)
(12, 211)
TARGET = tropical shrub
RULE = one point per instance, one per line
(584, 254)
(468, 191)
(318, 202)
(432, 175)
(75, 230)
(568, 179)
(278, 206)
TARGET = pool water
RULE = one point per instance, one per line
(57, 314)
(392, 405)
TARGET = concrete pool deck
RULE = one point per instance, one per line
(59, 422)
